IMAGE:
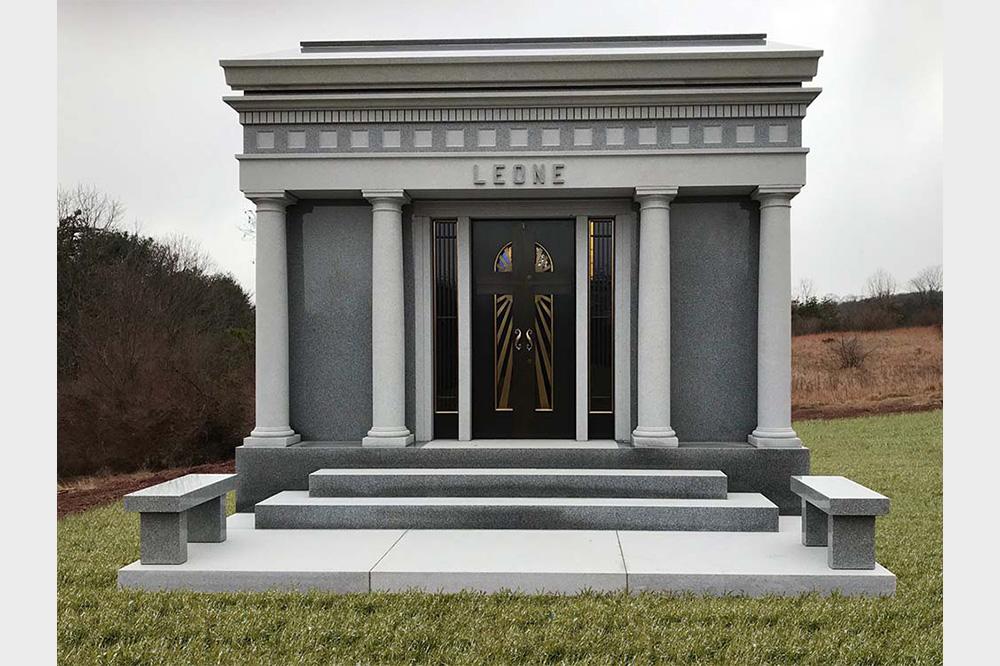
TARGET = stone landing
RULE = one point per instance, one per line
(528, 561)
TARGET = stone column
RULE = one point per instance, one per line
(271, 392)
(654, 318)
(774, 324)
(388, 323)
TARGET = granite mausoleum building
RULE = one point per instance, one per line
(497, 269)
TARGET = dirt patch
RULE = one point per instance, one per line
(849, 411)
(87, 492)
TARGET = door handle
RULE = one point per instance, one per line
(517, 339)
(531, 343)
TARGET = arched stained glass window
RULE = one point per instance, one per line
(504, 261)
(543, 262)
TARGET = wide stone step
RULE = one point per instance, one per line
(739, 512)
(515, 482)
(264, 471)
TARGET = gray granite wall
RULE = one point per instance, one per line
(714, 246)
(330, 319)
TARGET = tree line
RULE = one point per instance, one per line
(883, 306)
(155, 349)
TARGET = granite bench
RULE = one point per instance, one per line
(840, 513)
(191, 508)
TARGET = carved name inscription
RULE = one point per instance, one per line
(502, 175)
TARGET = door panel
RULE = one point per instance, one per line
(523, 337)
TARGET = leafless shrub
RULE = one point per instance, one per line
(850, 353)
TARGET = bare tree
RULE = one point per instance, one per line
(806, 291)
(881, 286)
(929, 281)
(89, 207)
(189, 256)
(249, 226)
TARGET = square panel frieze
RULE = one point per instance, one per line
(541, 136)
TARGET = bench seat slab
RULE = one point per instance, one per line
(180, 494)
(163, 538)
(839, 496)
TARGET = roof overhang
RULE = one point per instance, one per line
(556, 63)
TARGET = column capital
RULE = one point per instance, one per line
(275, 199)
(397, 198)
(775, 195)
(651, 195)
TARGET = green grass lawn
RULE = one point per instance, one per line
(899, 455)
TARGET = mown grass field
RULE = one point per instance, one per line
(900, 455)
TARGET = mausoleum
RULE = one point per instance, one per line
(527, 284)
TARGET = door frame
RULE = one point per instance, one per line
(465, 212)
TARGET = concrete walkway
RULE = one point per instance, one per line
(530, 561)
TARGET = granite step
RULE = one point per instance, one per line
(516, 482)
(739, 512)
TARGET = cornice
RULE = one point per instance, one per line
(522, 98)
(523, 114)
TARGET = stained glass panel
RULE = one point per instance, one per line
(504, 261)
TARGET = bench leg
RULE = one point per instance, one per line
(163, 538)
(813, 525)
(852, 542)
(207, 521)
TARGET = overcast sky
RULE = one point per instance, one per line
(141, 117)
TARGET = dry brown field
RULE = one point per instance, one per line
(902, 372)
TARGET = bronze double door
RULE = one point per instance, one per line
(523, 321)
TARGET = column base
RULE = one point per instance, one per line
(654, 438)
(276, 442)
(396, 441)
(774, 438)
